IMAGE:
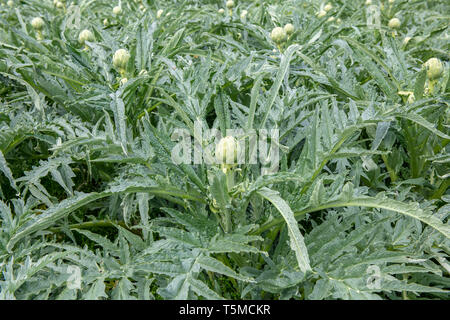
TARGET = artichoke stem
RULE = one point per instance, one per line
(279, 48)
(431, 86)
(230, 179)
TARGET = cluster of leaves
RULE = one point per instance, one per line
(93, 207)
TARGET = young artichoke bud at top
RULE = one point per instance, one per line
(159, 13)
(394, 23)
(368, 2)
(10, 3)
(86, 35)
(59, 5)
(278, 35)
(289, 29)
(434, 68)
(226, 150)
(221, 11)
(230, 4)
(328, 7)
(321, 13)
(120, 60)
(117, 10)
(244, 14)
(37, 23)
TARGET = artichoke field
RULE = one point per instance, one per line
(212, 149)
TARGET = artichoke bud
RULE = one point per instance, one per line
(230, 4)
(226, 150)
(434, 68)
(120, 60)
(37, 23)
(289, 29)
(86, 35)
(117, 10)
(321, 13)
(278, 35)
(394, 23)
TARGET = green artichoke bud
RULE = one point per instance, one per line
(117, 10)
(230, 4)
(321, 13)
(394, 23)
(37, 23)
(289, 29)
(434, 68)
(120, 60)
(86, 35)
(226, 150)
(278, 35)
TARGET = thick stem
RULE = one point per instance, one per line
(39, 35)
(431, 86)
(230, 179)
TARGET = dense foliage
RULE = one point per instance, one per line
(93, 206)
